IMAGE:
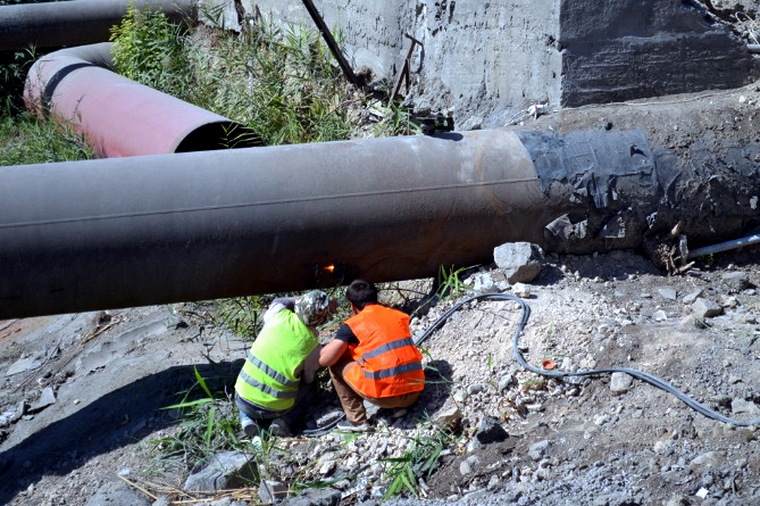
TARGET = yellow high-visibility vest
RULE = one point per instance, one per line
(268, 377)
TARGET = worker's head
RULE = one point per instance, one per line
(360, 293)
(314, 308)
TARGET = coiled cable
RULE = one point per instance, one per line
(641, 375)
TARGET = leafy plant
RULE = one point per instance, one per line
(242, 315)
(208, 425)
(12, 78)
(394, 120)
(420, 460)
(148, 48)
(26, 139)
(450, 282)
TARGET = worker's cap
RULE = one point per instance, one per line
(314, 308)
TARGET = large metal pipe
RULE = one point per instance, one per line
(136, 231)
(119, 117)
(74, 22)
(145, 230)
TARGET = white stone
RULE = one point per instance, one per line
(620, 383)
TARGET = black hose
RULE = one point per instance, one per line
(525, 314)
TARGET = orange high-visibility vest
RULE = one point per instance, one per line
(389, 362)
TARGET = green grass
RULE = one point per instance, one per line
(209, 424)
(26, 139)
(282, 83)
(450, 283)
(419, 461)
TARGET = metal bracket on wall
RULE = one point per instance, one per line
(403, 75)
(330, 40)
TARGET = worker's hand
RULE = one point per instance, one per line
(331, 352)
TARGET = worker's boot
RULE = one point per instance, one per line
(279, 427)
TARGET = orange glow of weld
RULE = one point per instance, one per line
(329, 268)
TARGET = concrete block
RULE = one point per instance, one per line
(486, 60)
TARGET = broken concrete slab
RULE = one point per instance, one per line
(315, 497)
(47, 398)
(118, 493)
(449, 416)
(668, 293)
(737, 281)
(24, 365)
(706, 308)
(692, 297)
(271, 491)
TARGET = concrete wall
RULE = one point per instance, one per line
(484, 60)
(481, 60)
(615, 50)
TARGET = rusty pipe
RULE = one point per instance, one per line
(126, 232)
(119, 117)
(74, 22)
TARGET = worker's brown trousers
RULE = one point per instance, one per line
(352, 401)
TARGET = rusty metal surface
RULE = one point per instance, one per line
(137, 231)
(117, 116)
(74, 22)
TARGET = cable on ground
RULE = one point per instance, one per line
(524, 315)
(640, 375)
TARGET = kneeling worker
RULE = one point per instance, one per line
(373, 358)
(273, 386)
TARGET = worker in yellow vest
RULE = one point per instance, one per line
(281, 365)
(372, 357)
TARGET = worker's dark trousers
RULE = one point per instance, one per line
(293, 417)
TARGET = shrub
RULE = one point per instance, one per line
(148, 48)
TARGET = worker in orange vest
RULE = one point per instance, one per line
(372, 357)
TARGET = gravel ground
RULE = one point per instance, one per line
(599, 440)
(81, 395)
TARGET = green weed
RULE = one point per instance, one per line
(12, 77)
(450, 282)
(420, 460)
(149, 48)
(208, 426)
(394, 120)
(26, 139)
(241, 315)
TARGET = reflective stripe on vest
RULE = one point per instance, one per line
(394, 371)
(388, 347)
(279, 378)
(267, 389)
(389, 362)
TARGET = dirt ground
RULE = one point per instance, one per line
(571, 442)
(577, 441)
